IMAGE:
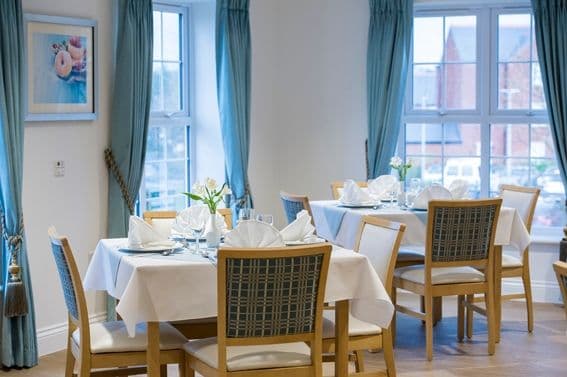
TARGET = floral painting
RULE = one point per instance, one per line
(60, 68)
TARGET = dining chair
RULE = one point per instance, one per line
(293, 204)
(561, 273)
(459, 240)
(337, 188)
(379, 240)
(515, 263)
(105, 344)
(269, 306)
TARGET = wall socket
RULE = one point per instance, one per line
(59, 168)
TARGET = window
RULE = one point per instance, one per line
(475, 107)
(167, 165)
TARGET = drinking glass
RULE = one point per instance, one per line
(197, 228)
(393, 193)
(183, 225)
(265, 218)
(246, 214)
(415, 185)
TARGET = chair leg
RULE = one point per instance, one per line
(393, 323)
(181, 368)
(528, 293)
(189, 372)
(491, 318)
(69, 362)
(84, 368)
(163, 370)
(388, 347)
(429, 327)
(460, 318)
(470, 314)
(359, 361)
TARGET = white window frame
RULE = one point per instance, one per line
(183, 117)
(487, 112)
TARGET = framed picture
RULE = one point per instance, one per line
(61, 69)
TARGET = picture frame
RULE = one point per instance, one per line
(61, 68)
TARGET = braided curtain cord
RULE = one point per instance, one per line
(15, 301)
(113, 167)
(241, 202)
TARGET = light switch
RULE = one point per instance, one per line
(59, 168)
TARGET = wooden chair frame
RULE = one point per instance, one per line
(313, 339)
(522, 271)
(561, 273)
(336, 185)
(303, 199)
(82, 354)
(359, 343)
(429, 291)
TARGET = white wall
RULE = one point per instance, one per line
(75, 203)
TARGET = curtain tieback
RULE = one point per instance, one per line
(113, 167)
(241, 201)
(15, 300)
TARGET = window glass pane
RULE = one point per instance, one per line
(534, 43)
(513, 85)
(460, 39)
(514, 37)
(466, 168)
(176, 177)
(155, 144)
(538, 96)
(176, 142)
(541, 141)
(426, 84)
(171, 87)
(157, 35)
(171, 33)
(510, 140)
(511, 171)
(155, 180)
(461, 139)
(429, 169)
(460, 86)
(424, 139)
(157, 88)
(428, 40)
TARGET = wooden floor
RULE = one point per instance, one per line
(519, 354)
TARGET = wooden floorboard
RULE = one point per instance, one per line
(542, 353)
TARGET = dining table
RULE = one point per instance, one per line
(339, 224)
(153, 288)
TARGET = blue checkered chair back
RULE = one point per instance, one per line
(271, 296)
(66, 281)
(462, 233)
(292, 208)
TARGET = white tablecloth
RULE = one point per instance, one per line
(510, 229)
(183, 286)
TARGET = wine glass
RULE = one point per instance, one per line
(197, 228)
(182, 224)
(393, 194)
(245, 214)
(265, 218)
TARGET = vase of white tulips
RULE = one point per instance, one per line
(210, 194)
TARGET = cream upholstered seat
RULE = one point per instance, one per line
(459, 240)
(510, 261)
(379, 240)
(561, 273)
(282, 355)
(356, 327)
(440, 275)
(113, 337)
(104, 345)
(286, 285)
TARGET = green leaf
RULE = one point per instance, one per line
(193, 196)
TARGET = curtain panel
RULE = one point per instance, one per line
(550, 18)
(233, 60)
(19, 343)
(130, 111)
(389, 44)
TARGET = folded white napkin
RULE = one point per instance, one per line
(142, 235)
(432, 192)
(198, 214)
(459, 189)
(300, 229)
(353, 194)
(380, 187)
(253, 234)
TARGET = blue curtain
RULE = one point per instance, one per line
(19, 343)
(389, 43)
(551, 36)
(233, 57)
(130, 111)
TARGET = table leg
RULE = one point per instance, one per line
(341, 338)
(152, 353)
(497, 290)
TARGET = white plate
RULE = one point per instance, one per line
(296, 243)
(360, 205)
(152, 249)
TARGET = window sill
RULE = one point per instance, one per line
(547, 235)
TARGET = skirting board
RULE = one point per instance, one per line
(542, 291)
(54, 338)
